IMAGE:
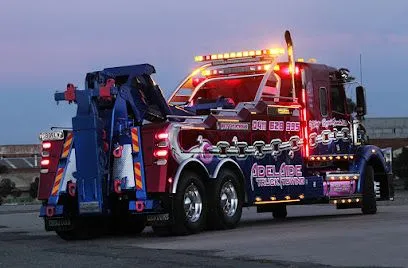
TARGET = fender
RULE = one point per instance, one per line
(222, 163)
(364, 155)
(181, 168)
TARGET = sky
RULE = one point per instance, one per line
(45, 44)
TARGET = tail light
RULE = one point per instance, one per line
(162, 136)
(51, 151)
(160, 153)
(46, 145)
(44, 166)
(45, 162)
(161, 150)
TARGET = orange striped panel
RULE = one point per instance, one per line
(57, 181)
(138, 176)
(135, 140)
(67, 145)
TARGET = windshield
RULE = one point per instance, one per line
(242, 85)
(237, 89)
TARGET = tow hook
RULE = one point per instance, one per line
(118, 151)
(50, 211)
(140, 206)
(117, 186)
(72, 189)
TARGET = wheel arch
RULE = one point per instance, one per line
(188, 164)
(373, 156)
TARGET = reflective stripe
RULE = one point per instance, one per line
(138, 176)
(135, 140)
(67, 145)
(57, 181)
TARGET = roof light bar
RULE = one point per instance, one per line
(236, 70)
(272, 52)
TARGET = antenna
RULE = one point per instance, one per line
(361, 71)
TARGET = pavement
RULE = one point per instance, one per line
(311, 236)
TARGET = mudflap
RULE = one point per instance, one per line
(164, 216)
(160, 219)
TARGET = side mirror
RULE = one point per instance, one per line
(361, 107)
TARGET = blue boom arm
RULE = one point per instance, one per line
(114, 100)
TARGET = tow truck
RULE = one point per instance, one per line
(243, 129)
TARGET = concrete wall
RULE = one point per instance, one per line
(387, 128)
(22, 162)
(20, 150)
(388, 132)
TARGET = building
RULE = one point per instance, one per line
(388, 132)
(22, 162)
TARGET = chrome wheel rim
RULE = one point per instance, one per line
(228, 199)
(193, 204)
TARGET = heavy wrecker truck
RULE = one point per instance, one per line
(243, 129)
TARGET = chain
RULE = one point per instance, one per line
(328, 136)
(260, 149)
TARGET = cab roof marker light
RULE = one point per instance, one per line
(199, 58)
(273, 52)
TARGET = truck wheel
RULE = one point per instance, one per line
(225, 201)
(190, 205)
(369, 203)
(161, 230)
(129, 224)
(279, 212)
(135, 224)
(83, 229)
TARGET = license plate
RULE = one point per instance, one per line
(158, 217)
(89, 207)
(52, 136)
(60, 222)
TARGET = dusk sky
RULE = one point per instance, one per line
(45, 44)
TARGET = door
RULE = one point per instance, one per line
(339, 121)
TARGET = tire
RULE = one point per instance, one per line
(124, 225)
(190, 205)
(78, 233)
(135, 225)
(280, 212)
(225, 199)
(369, 203)
(162, 230)
(83, 229)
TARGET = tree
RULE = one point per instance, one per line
(401, 166)
(3, 169)
(6, 187)
(34, 188)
